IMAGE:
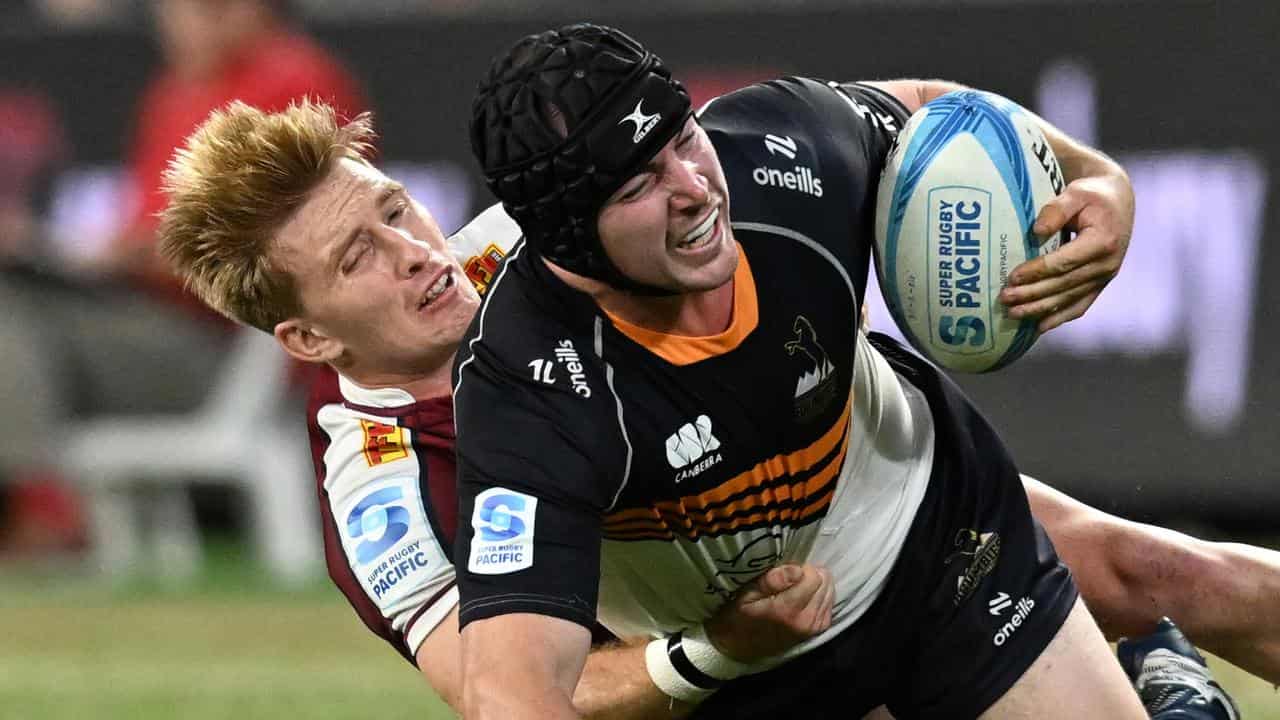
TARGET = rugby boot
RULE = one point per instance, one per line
(1172, 678)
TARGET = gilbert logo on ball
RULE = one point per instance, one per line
(957, 200)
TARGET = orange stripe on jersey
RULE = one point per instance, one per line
(768, 505)
(775, 467)
(749, 498)
(686, 350)
(692, 527)
(697, 509)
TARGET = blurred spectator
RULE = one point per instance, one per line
(121, 335)
(216, 50)
(32, 146)
(34, 509)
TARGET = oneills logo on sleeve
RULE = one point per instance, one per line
(383, 443)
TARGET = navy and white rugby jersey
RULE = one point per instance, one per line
(608, 469)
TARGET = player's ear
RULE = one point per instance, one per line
(306, 342)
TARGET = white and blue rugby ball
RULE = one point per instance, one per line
(960, 192)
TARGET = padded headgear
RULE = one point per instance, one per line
(560, 123)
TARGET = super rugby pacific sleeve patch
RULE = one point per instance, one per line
(502, 532)
(385, 528)
(389, 542)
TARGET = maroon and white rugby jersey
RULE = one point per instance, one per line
(385, 474)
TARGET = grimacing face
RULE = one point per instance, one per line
(382, 297)
(668, 226)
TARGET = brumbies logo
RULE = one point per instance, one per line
(816, 387)
(983, 551)
(644, 123)
(383, 443)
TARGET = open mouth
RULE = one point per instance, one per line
(702, 234)
(438, 288)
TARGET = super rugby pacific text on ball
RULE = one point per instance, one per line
(957, 200)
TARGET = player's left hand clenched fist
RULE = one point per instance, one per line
(1060, 287)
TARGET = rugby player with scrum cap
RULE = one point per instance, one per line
(246, 175)
(657, 400)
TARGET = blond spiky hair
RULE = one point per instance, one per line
(238, 179)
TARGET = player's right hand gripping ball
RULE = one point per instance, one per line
(960, 192)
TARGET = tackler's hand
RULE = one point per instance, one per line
(779, 609)
(1060, 287)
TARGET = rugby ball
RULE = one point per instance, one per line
(960, 192)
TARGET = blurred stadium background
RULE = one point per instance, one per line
(1161, 405)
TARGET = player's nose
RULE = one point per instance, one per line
(689, 187)
(412, 255)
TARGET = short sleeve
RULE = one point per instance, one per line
(883, 113)
(534, 479)
(384, 543)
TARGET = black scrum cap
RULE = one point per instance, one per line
(559, 123)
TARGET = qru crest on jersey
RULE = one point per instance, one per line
(816, 387)
(481, 268)
(383, 443)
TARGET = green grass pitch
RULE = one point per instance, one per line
(227, 648)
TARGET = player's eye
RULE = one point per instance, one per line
(635, 189)
(397, 212)
(355, 257)
(688, 134)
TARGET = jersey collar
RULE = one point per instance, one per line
(686, 350)
(386, 398)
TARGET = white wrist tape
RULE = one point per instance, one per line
(688, 667)
(667, 678)
(706, 658)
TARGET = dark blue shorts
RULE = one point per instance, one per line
(975, 597)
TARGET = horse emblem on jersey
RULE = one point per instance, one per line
(816, 387)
